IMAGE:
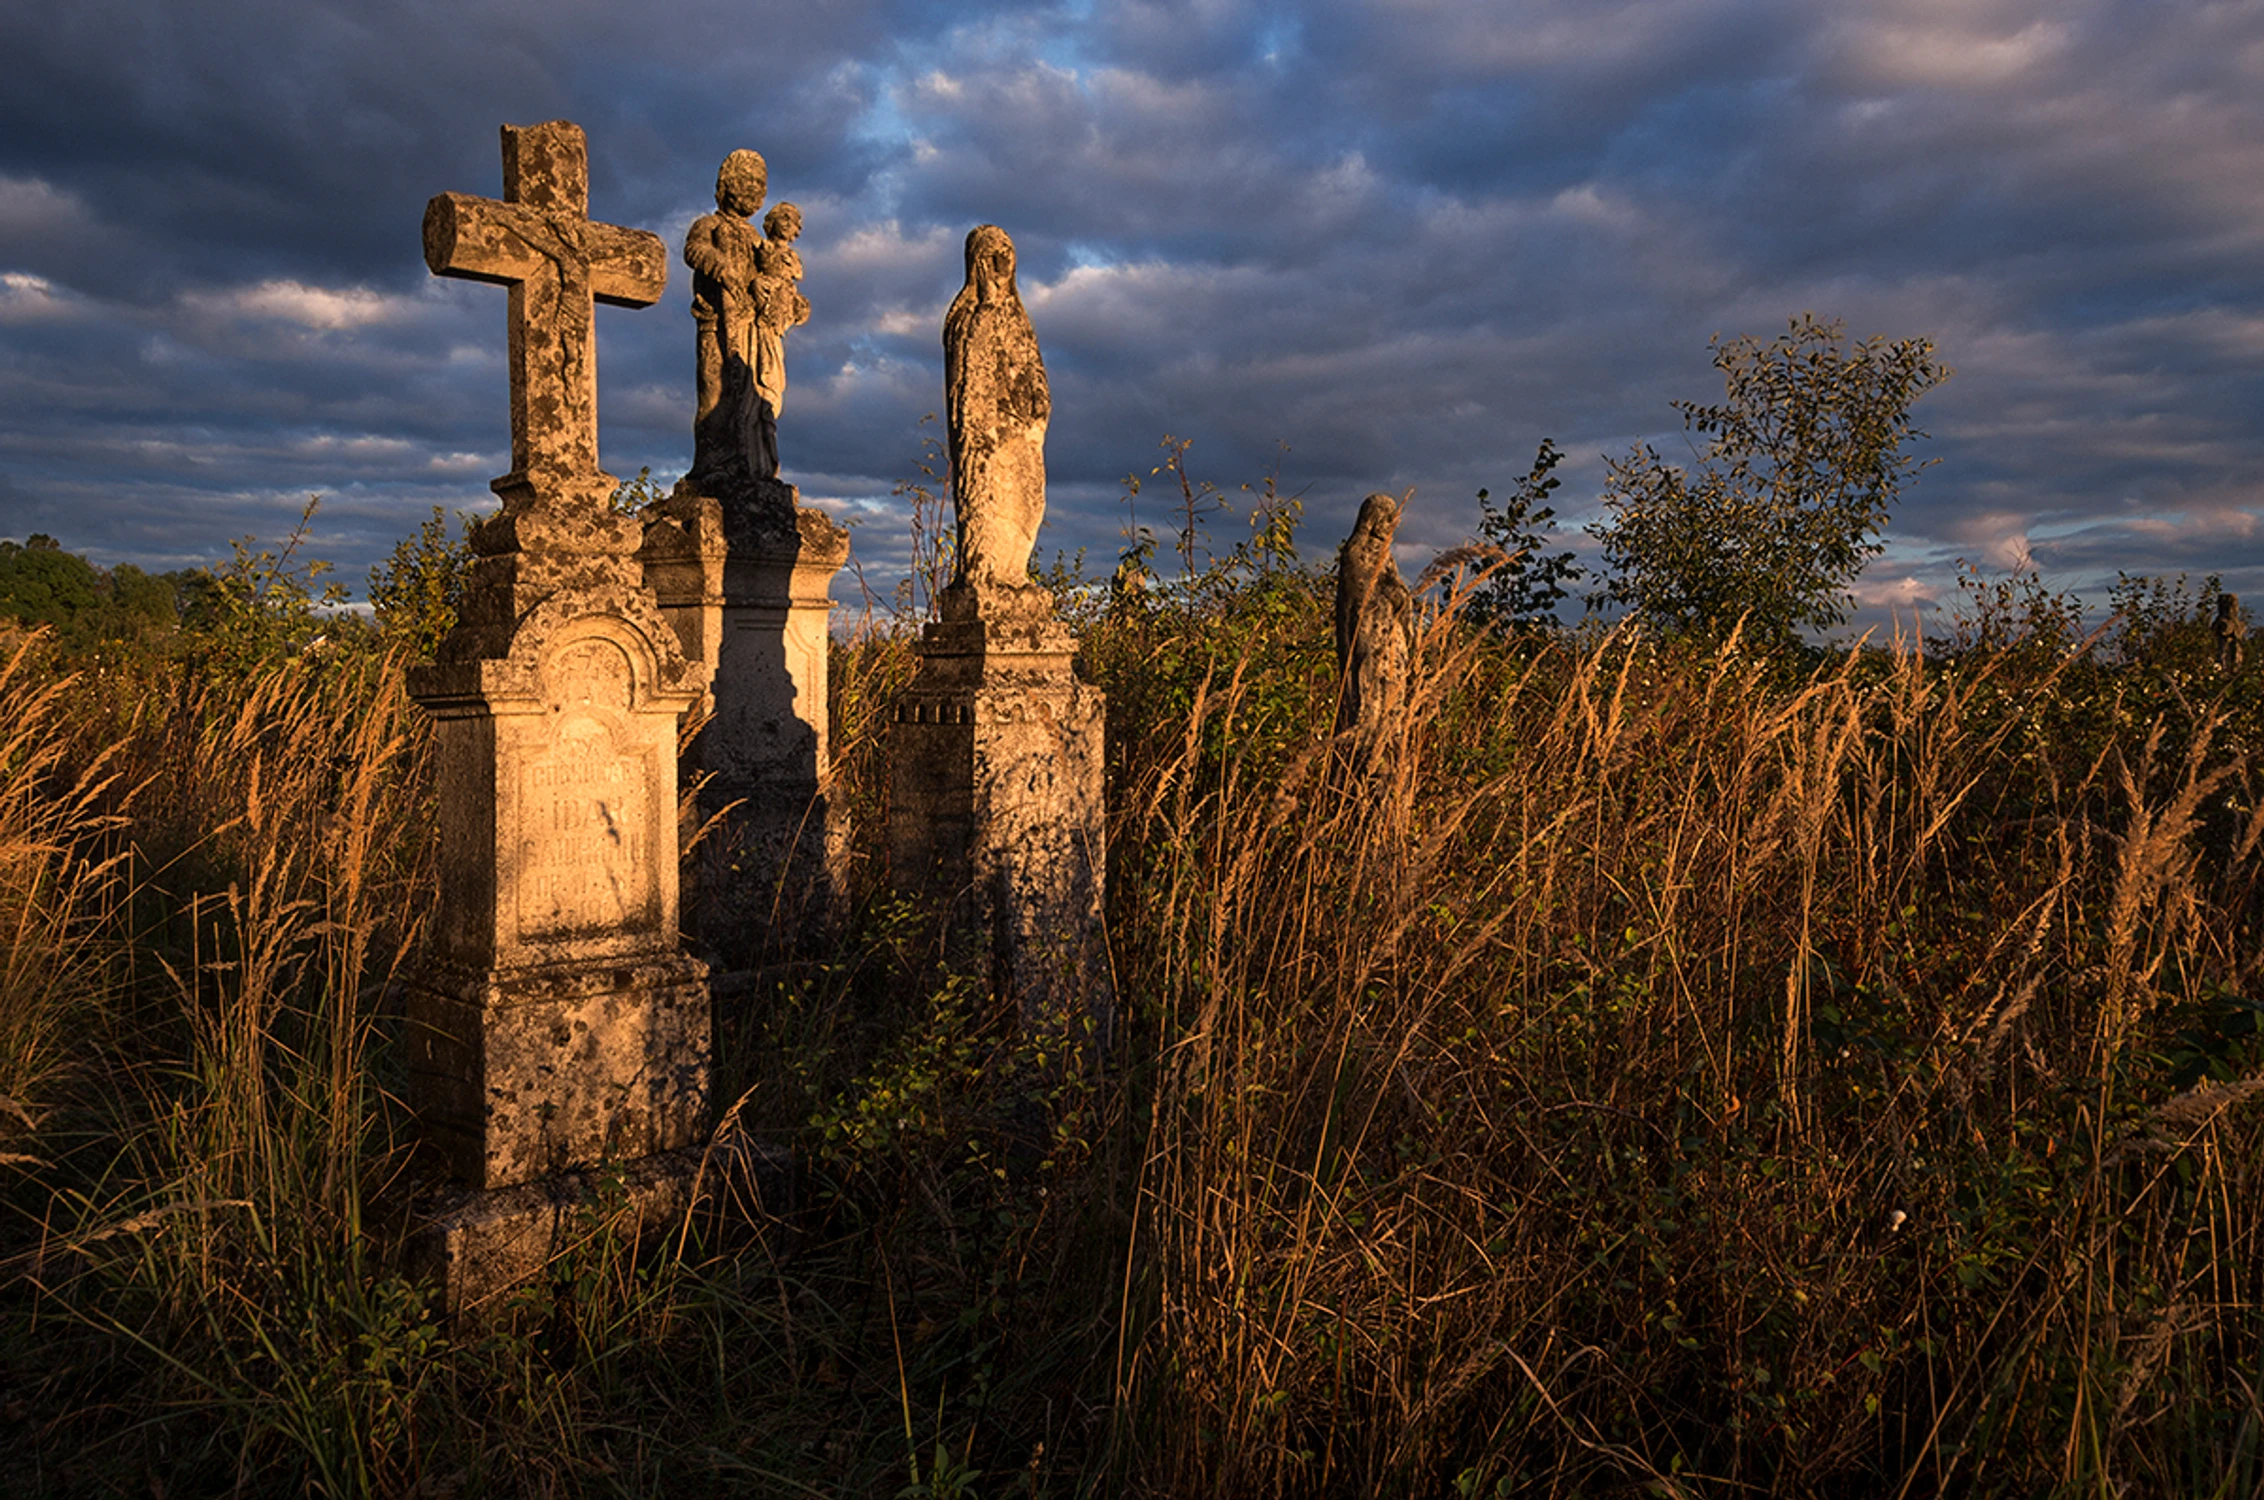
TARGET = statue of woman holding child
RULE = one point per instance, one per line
(746, 294)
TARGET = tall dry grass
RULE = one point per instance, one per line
(59, 880)
(213, 1220)
(1669, 1077)
(1669, 1072)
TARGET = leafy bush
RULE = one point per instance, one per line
(416, 592)
(1528, 583)
(263, 604)
(1805, 463)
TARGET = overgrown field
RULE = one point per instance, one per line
(1685, 1070)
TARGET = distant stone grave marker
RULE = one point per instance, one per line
(1374, 631)
(2230, 628)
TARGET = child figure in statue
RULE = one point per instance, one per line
(778, 269)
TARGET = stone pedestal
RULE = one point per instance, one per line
(560, 1026)
(995, 803)
(478, 1245)
(745, 581)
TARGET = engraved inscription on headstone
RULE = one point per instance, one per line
(586, 841)
(587, 826)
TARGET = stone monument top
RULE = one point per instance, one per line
(742, 570)
(541, 243)
(996, 407)
(745, 296)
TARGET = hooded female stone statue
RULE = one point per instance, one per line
(1374, 620)
(995, 409)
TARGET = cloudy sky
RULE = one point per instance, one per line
(1407, 239)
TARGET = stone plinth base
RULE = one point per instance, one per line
(476, 1247)
(744, 577)
(995, 808)
(517, 1076)
(559, 1024)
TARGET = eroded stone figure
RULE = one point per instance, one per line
(1374, 620)
(996, 407)
(2231, 631)
(734, 431)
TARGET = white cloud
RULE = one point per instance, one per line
(359, 447)
(1594, 35)
(32, 208)
(1888, 591)
(324, 309)
(1596, 206)
(884, 248)
(1997, 538)
(2229, 524)
(25, 298)
(1946, 49)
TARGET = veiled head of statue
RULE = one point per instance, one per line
(990, 262)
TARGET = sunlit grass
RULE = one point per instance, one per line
(1675, 1069)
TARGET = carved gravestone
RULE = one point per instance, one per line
(743, 572)
(560, 1027)
(996, 756)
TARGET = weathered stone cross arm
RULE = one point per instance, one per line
(540, 242)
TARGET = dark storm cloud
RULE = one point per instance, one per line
(224, 139)
(1408, 240)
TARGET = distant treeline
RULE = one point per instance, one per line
(261, 603)
(41, 584)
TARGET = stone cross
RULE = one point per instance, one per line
(559, 1025)
(541, 243)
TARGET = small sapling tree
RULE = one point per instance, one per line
(1789, 497)
(262, 604)
(1530, 583)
